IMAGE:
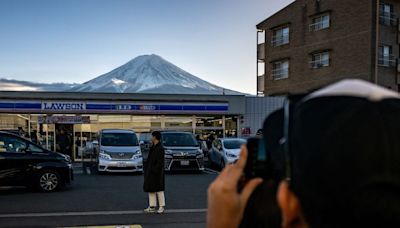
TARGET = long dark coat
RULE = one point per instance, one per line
(154, 180)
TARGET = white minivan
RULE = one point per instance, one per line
(119, 151)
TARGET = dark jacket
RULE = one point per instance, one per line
(154, 180)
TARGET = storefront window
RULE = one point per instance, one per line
(83, 140)
(231, 127)
(178, 122)
(13, 122)
(47, 136)
(209, 122)
(137, 123)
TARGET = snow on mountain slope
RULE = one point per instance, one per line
(150, 74)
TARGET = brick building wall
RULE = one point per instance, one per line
(350, 41)
(388, 35)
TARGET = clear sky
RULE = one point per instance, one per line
(77, 40)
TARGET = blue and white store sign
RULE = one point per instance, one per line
(77, 107)
(63, 106)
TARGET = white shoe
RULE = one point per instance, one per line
(150, 210)
(161, 210)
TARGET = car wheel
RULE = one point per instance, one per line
(48, 181)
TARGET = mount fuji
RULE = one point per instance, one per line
(150, 74)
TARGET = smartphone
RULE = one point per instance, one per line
(256, 165)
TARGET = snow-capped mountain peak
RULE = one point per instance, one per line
(150, 74)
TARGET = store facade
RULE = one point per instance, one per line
(46, 116)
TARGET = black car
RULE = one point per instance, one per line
(23, 163)
(182, 151)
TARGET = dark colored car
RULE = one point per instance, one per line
(182, 151)
(23, 163)
(14, 132)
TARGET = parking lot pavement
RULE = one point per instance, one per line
(115, 199)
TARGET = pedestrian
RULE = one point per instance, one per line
(34, 137)
(210, 140)
(64, 143)
(154, 179)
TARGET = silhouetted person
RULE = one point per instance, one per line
(63, 143)
(154, 179)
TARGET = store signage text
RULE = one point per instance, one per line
(123, 107)
(147, 107)
(64, 119)
(63, 106)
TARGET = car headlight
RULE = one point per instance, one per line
(103, 155)
(169, 152)
(229, 155)
(137, 154)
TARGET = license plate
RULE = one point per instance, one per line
(185, 163)
(121, 164)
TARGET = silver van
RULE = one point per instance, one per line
(119, 151)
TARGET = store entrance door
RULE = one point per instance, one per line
(64, 138)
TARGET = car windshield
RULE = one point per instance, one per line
(234, 144)
(119, 139)
(179, 139)
(145, 136)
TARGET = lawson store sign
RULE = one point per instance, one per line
(107, 107)
(63, 106)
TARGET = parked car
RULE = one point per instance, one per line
(182, 151)
(225, 151)
(119, 151)
(13, 131)
(23, 163)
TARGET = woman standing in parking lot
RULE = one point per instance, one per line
(154, 180)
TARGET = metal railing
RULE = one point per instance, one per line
(387, 18)
(319, 26)
(386, 60)
(280, 73)
(319, 63)
(280, 40)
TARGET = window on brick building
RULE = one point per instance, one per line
(280, 69)
(320, 22)
(320, 59)
(280, 36)
(385, 56)
(386, 14)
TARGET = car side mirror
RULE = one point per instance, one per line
(141, 143)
